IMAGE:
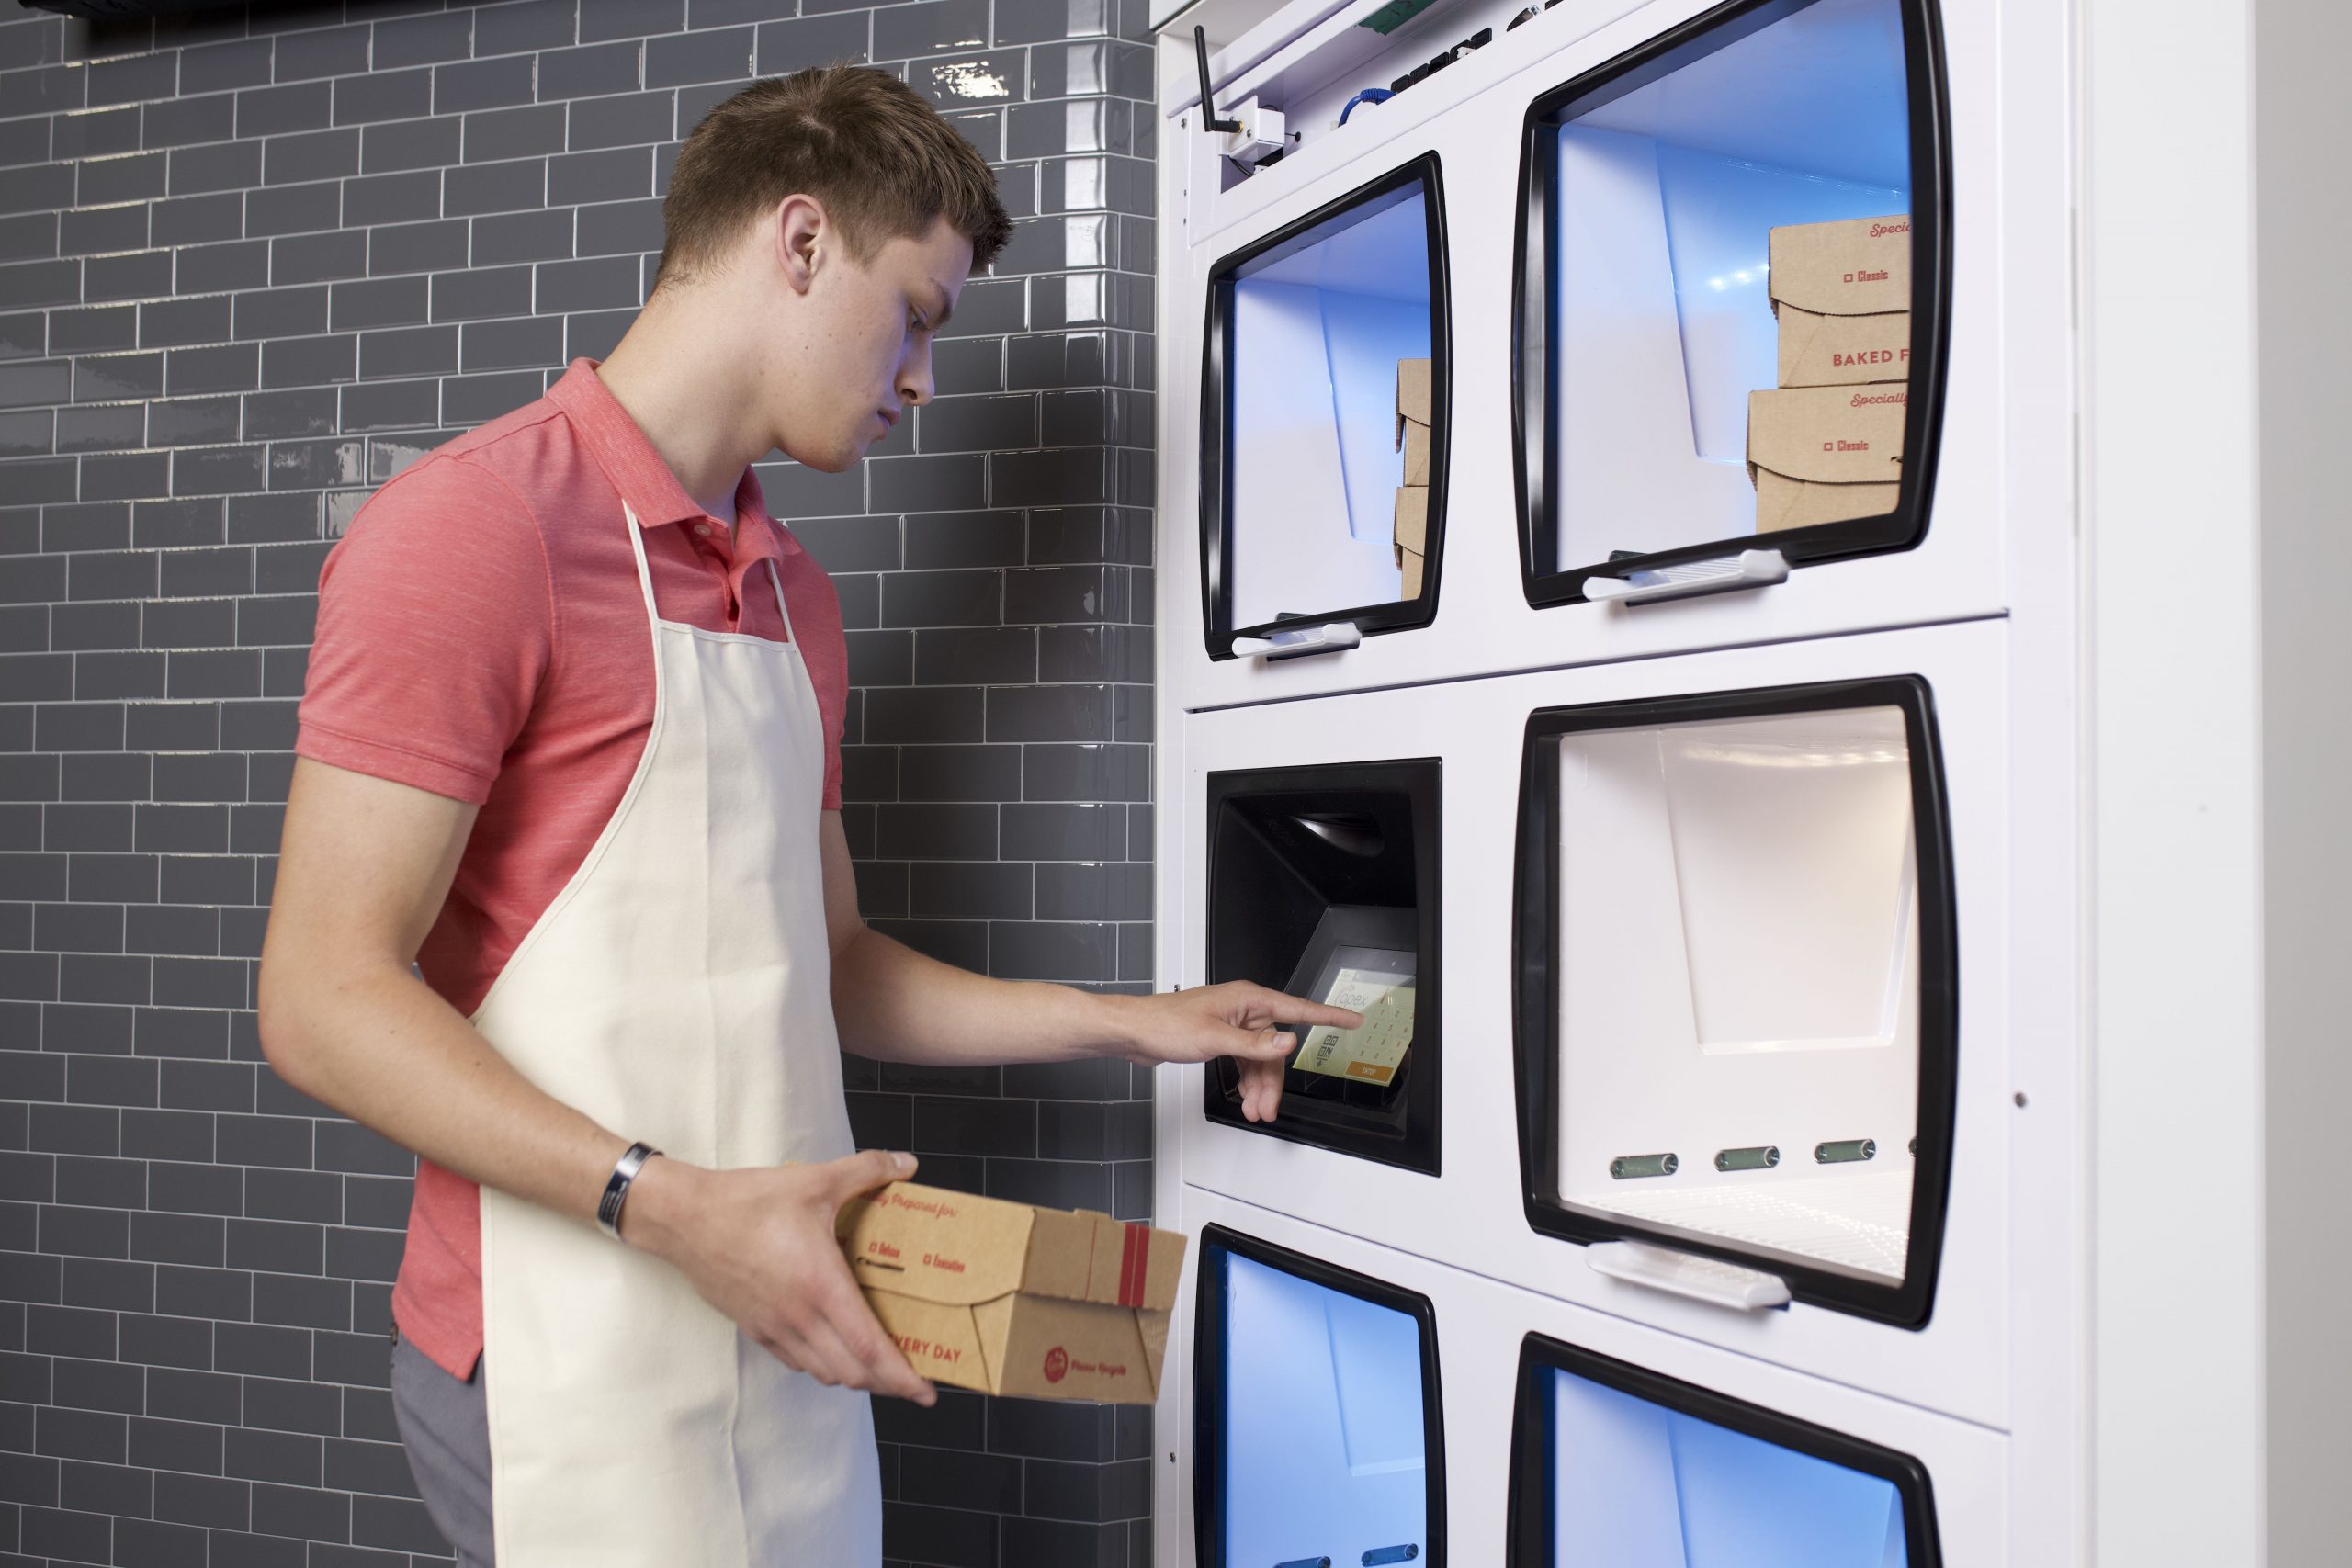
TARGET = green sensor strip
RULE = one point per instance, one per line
(1395, 15)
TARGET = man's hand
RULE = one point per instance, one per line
(759, 1245)
(1235, 1020)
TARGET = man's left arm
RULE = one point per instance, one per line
(895, 1005)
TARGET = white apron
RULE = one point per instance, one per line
(678, 991)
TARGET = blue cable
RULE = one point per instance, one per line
(1369, 95)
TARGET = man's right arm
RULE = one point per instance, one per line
(363, 870)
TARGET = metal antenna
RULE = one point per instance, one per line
(1208, 105)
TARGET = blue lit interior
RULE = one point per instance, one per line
(1323, 1423)
(1667, 198)
(1637, 1485)
(1317, 331)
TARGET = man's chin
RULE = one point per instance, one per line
(831, 462)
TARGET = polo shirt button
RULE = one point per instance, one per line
(702, 527)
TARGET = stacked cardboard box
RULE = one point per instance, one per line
(1827, 445)
(1009, 1298)
(1412, 530)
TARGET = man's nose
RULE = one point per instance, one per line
(914, 378)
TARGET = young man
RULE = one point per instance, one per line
(571, 745)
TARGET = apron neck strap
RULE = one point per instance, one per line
(775, 576)
(637, 548)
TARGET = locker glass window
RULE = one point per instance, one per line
(1736, 994)
(1323, 428)
(1612, 1465)
(1733, 296)
(1323, 882)
(1316, 1401)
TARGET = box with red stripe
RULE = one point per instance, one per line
(1010, 1298)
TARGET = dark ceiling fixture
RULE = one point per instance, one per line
(124, 10)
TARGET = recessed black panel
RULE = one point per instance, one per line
(1321, 875)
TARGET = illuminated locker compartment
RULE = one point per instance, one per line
(1322, 883)
(1323, 430)
(1734, 300)
(1614, 1466)
(1737, 989)
(1317, 1438)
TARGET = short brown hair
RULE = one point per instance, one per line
(881, 160)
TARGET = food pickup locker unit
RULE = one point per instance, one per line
(2117, 587)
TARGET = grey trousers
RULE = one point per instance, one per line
(446, 1427)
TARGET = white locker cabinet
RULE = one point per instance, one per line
(1737, 1003)
(1318, 1422)
(1987, 864)
(1930, 1324)
(1985, 455)
(1490, 1340)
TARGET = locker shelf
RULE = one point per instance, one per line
(1861, 1222)
(1678, 394)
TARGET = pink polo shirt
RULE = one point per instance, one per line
(481, 634)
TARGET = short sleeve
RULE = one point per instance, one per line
(436, 627)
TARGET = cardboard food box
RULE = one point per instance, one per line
(1412, 526)
(1824, 454)
(1009, 1298)
(1413, 395)
(1414, 442)
(1858, 267)
(1411, 531)
(1839, 351)
(1842, 293)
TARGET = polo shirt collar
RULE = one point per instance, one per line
(620, 449)
(646, 483)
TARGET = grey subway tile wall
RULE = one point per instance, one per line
(255, 260)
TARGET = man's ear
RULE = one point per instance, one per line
(803, 237)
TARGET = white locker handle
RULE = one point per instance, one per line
(1749, 569)
(1688, 1275)
(1296, 642)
